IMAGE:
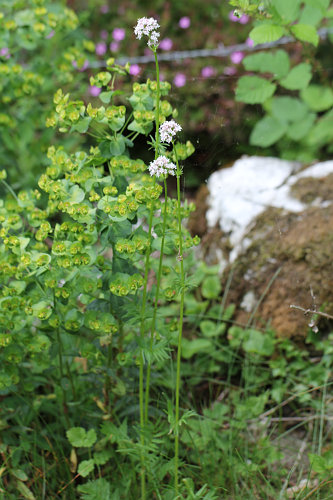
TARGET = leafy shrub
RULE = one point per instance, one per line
(298, 118)
(42, 48)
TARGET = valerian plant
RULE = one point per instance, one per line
(83, 275)
(295, 95)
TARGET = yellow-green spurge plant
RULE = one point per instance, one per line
(87, 261)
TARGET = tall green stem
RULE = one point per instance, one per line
(144, 294)
(180, 329)
(61, 369)
(158, 284)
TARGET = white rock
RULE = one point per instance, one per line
(237, 195)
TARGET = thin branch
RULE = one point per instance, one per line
(311, 311)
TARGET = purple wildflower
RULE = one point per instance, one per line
(230, 71)
(237, 57)
(100, 48)
(114, 46)
(134, 69)
(50, 35)
(166, 44)
(249, 42)
(208, 72)
(179, 80)
(104, 9)
(104, 34)
(184, 22)
(118, 34)
(81, 68)
(94, 91)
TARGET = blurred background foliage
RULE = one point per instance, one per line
(47, 44)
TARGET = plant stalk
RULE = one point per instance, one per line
(144, 295)
(180, 328)
(158, 285)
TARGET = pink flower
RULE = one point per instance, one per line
(104, 34)
(236, 57)
(4, 51)
(50, 35)
(166, 44)
(134, 69)
(249, 42)
(100, 48)
(179, 80)
(114, 46)
(208, 72)
(81, 68)
(232, 17)
(94, 91)
(184, 22)
(230, 71)
(118, 34)
(104, 9)
(244, 19)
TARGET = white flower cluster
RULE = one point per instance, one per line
(168, 130)
(162, 166)
(148, 26)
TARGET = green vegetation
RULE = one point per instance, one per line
(123, 374)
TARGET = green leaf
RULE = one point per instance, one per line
(266, 33)
(276, 63)
(76, 194)
(319, 4)
(101, 457)
(19, 474)
(95, 490)
(80, 438)
(321, 464)
(25, 492)
(322, 131)
(211, 328)
(117, 145)
(86, 467)
(305, 33)
(83, 125)
(288, 109)
(211, 287)
(142, 101)
(298, 130)
(318, 97)
(253, 89)
(267, 131)
(288, 11)
(298, 78)
(192, 347)
(311, 15)
(259, 343)
(141, 127)
(116, 123)
(106, 96)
